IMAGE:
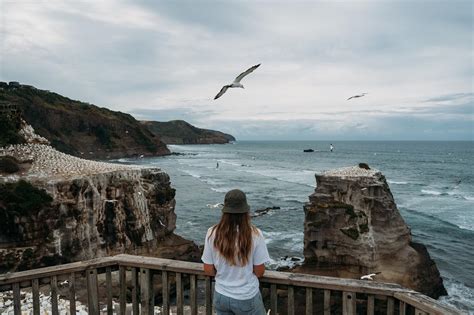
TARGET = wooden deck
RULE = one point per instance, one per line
(144, 283)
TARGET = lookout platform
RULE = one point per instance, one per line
(125, 284)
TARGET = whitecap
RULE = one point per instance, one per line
(396, 182)
(220, 190)
(431, 192)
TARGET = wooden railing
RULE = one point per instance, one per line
(284, 293)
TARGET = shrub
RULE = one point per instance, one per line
(8, 164)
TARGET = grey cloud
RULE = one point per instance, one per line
(214, 15)
(451, 97)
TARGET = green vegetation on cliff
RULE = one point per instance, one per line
(79, 128)
(181, 132)
(9, 131)
(16, 200)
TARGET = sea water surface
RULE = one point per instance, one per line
(432, 182)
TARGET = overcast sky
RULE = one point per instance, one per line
(164, 60)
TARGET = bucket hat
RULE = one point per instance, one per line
(235, 201)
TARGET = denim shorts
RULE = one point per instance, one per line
(225, 305)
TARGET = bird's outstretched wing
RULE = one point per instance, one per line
(351, 97)
(222, 91)
(243, 74)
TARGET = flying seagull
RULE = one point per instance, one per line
(356, 96)
(369, 276)
(236, 83)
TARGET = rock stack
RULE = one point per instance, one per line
(353, 228)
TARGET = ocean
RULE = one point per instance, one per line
(432, 182)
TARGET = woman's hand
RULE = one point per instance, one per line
(259, 270)
(209, 270)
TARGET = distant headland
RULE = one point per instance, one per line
(88, 131)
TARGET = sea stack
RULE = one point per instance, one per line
(353, 228)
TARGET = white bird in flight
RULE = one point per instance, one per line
(369, 276)
(358, 95)
(236, 83)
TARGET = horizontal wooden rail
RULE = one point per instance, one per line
(397, 298)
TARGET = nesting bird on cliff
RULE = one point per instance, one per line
(236, 83)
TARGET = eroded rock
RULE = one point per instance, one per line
(353, 227)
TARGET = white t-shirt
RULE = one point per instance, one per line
(237, 282)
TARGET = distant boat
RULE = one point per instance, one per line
(308, 150)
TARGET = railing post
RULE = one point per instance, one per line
(193, 296)
(403, 308)
(135, 295)
(179, 294)
(146, 287)
(54, 295)
(72, 293)
(273, 298)
(108, 283)
(16, 299)
(348, 303)
(309, 301)
(327, 302)
(390, 304)
(370, 304)
(123, 290)
(291, 300)
(92, 292)
(35, 293)
(165, 292)
(208, 298)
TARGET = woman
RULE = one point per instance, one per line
(235, 253)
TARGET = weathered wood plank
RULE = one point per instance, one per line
(327, 302)
(309, 301)
(403, 308)
(72, 293)
(208, 299)
(35, 293)
(179, 294)
(92, 292)
(54, 295)
(135, 292)
(46, 272)
(285, 278)
(291, 300)
(426, 304)
(16, 299)
(370, 304)
(166, 292)
(390, 306)
(349, 303)
(193, 294)
(108, 284)
(146, 288)
(123, 290)
(273, 298)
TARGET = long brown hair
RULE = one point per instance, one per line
(233, 237)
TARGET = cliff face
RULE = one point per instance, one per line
(181, 132)
(112, 209)
(82, 129)
(353, 228)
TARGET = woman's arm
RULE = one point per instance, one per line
(259, 270)
(209, 270)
